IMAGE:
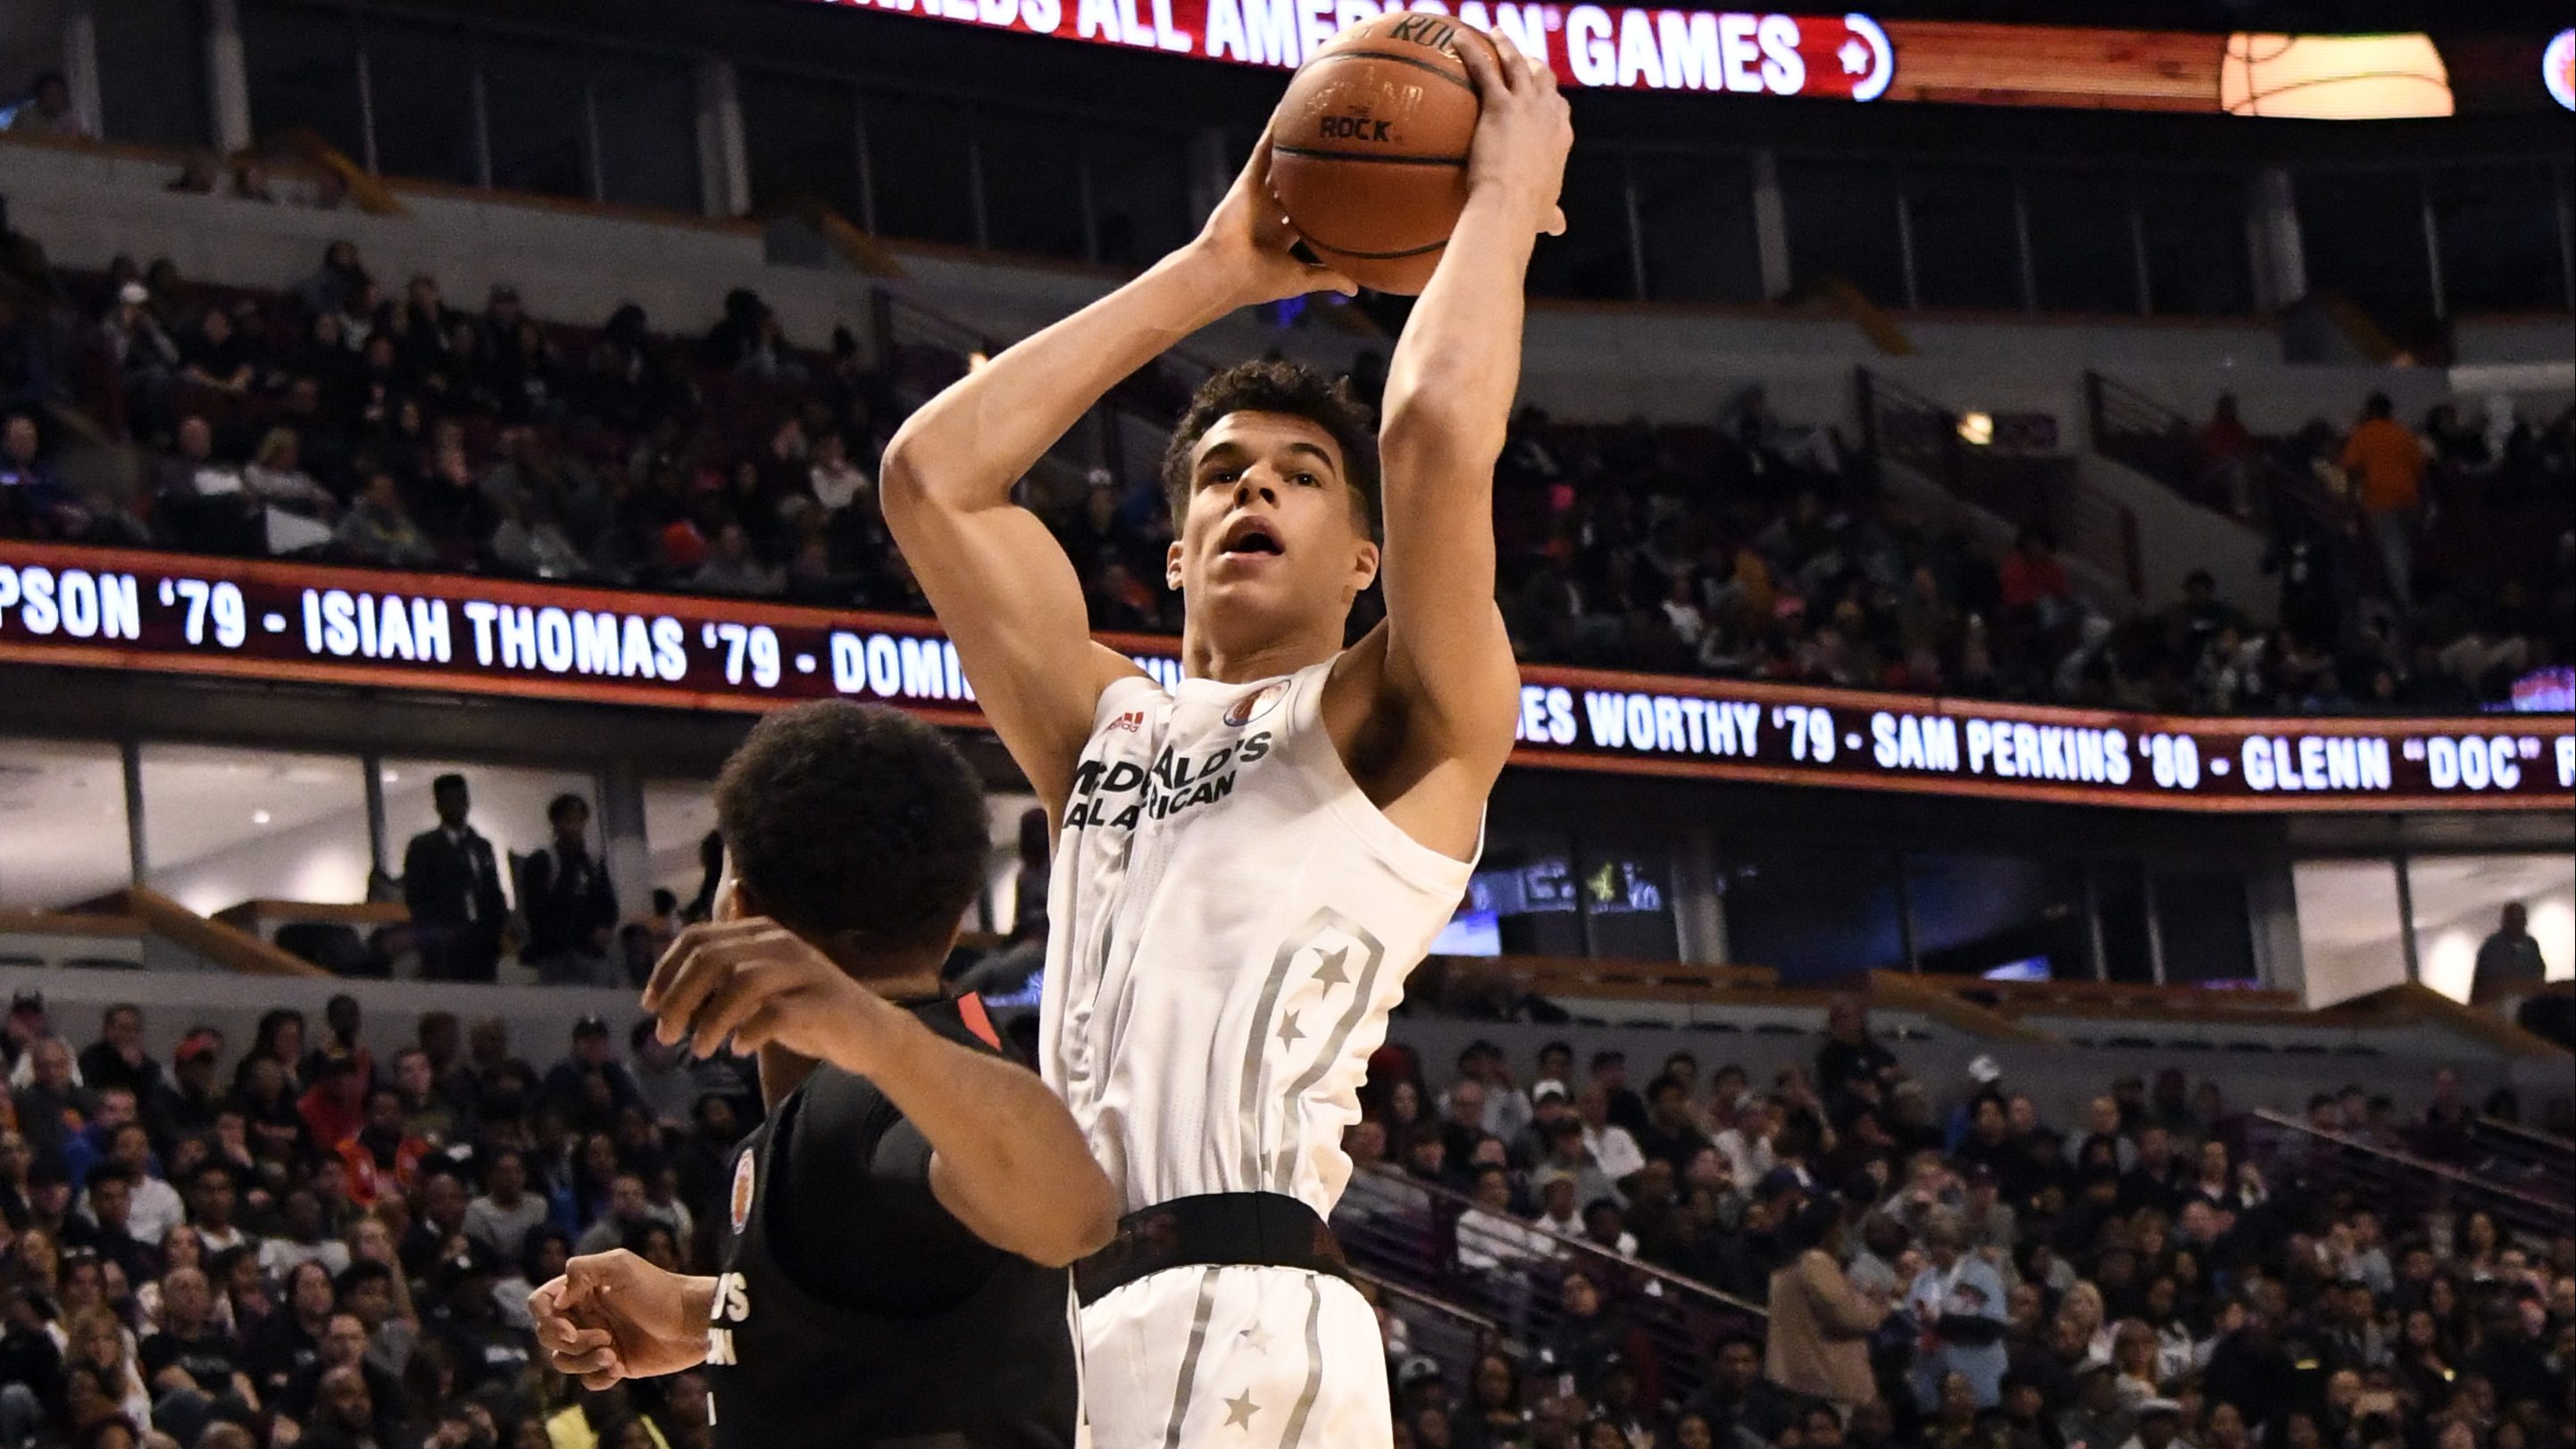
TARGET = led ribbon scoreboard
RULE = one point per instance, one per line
(264, 620)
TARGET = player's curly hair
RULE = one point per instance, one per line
(855, 826)
(1279, 387)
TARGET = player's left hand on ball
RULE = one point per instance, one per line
(757, 983)
(1524, 133)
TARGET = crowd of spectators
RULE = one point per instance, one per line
(329, 1241)
(347, 417)
(1953, 1274)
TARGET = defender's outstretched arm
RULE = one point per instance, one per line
(1002, 587)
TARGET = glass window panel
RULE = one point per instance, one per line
(2009, 917)
(1813, 913)
(1695, 222)
(1626, 887)
(1842, 223)
(2120, 895)
(1140, 197)
(223, 826)
(2458, 902)
(2351, 938)
(1522, 900)
(1591, 261)
(918, 159)
(533, 93)
(2199, 260)
(2498, 226)
(509, 806)
(679, 815)
(1966, 249)
(801, 137)
(2082, 255)
(152, 71)
(2208, 933)
(1032, 199)
(2364, 236)
(302, 63)
(62, 823)
(648, 129)
(421, 81)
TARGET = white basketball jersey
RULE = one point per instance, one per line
(1231, 920)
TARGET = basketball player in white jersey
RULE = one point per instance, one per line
(1248, 865)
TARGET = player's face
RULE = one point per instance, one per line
(1271, 529)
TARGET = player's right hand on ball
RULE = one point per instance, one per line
(1248, 237)
(613, 1316)
(1524, 133)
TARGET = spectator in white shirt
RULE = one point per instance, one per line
(156, 1207)
(1747, 1146)
(1610, 1145)
(303, 1241)
(837, 481)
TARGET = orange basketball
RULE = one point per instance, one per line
(1370, 147)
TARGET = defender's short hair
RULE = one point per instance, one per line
(1279, 387)
(854, 825)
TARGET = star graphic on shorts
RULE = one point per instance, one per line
(1329, 975)
(1239, 1411)
(1256, 1338)
(1288, 1031)
(1855, 58)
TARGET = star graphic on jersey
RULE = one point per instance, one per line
(1329, 974)
(1855, 58)
(1239, 1411)
(1288, 1031)
(1256, 1338)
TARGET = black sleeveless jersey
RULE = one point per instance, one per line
(969, 1347)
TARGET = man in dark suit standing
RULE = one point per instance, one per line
(453, 887)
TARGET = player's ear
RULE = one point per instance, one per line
(1364, 561)
(1172, 565)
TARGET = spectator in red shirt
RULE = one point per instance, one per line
(2033, 580)
(381, 1157)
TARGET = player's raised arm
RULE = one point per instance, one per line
(1448, 398)
(1001, 585)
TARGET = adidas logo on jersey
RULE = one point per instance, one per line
(1132, 721)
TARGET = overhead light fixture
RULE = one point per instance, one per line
(1976, 429)
(259, 817)
(393, 777)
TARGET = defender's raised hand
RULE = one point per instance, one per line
(757, 982)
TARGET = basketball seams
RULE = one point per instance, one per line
(1378, 256)
(1310, 153)
(1460, 82)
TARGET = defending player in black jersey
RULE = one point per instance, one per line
(894, 1270)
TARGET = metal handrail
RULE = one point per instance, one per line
(2559, 1216)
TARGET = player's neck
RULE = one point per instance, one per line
(1208, 652)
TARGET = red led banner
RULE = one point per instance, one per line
(1840, 57)
(263, 620)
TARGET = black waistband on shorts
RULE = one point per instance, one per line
(1255, 1229)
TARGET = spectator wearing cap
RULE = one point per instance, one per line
(452, 887)
(1820, 1326)
(1747, 1147)
(588, 1087)
(2159, 1426)
(2098, 1419)
(569, 904)
(381, 1157)
(194, 1098)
